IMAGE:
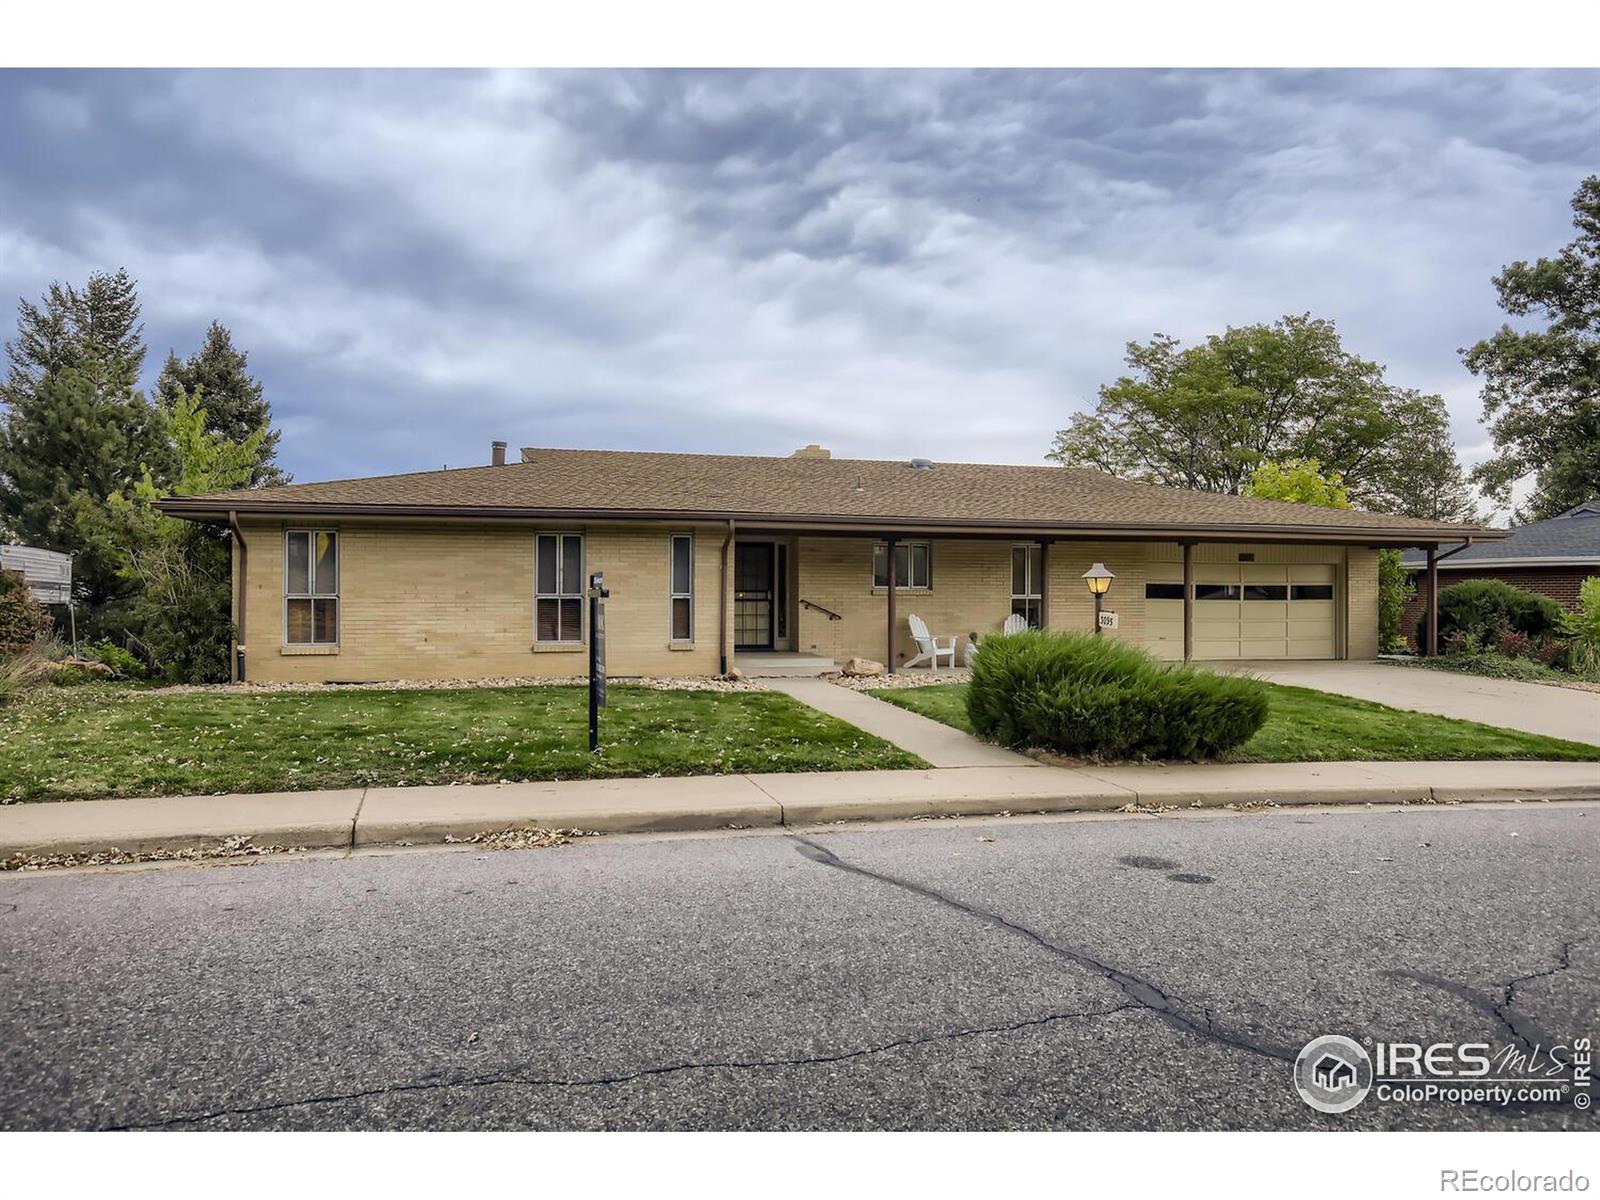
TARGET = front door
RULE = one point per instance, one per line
(753, 594)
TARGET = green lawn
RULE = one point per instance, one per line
(1312, 726)
(96, 741)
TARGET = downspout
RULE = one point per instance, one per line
(241, 590)
(722, 599)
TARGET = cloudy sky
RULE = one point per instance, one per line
(908, 263)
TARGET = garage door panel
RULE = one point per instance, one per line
(1257, 614)
(1268, 648)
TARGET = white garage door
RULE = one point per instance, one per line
(1246, 610)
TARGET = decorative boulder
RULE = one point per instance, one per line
(734, 675)
(863, 666)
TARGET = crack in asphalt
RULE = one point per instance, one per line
(1517, 1024)
(1139, 991)
(480, 1081)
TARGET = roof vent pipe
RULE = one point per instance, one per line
(497, 454)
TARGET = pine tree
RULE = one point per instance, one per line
(73, 431)
(235, 406)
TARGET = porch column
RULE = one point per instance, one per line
(1044, 582)
(1432, 646)
(1188, 601)
(888, 658)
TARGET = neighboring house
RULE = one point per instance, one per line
(481, 572)
(1549, 557)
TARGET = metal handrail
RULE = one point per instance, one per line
(831, 615)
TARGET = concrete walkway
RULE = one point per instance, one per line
(1531, 707)
(932, 741)
(392, 816)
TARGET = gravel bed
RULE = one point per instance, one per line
(902, 679)
(679, 684)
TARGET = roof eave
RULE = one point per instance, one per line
(203, 509)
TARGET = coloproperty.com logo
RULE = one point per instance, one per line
(1333, 1073)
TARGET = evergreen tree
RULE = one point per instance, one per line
(73, 431)
(235, 406)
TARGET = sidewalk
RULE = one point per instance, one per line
(932, 741)
(389, 816)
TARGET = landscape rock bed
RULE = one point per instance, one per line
(903, 679)
(684, 684)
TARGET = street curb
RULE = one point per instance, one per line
(377, 817)
(315, 821)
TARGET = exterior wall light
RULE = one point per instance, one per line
(1099, 581)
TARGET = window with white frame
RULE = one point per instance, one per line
(1027, 583)
(682, 585)
(558, 586)
(913, 565)
(311, 587)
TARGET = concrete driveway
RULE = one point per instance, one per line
(1531, 707)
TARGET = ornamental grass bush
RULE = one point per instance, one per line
(1079, 694)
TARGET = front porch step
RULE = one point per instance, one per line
(777, 665)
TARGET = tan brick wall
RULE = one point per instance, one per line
(971, 592)
(1361, 600)
(972, 589)
(432, 602)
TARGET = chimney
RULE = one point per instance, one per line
(812, 451)
(497, 454)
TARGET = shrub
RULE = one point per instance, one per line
(1483, 609)
(1553, 652)
(1081, 694)
(23, 620)
(125, 663)
(1513, 643)
(1583, 627)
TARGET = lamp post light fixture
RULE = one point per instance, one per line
(1099, 581)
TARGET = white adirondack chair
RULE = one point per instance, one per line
(929, 648)
(1015, 623)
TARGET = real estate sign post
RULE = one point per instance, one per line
(597, 655)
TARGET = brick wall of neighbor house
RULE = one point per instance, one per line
(457, 602)
(1559, 583)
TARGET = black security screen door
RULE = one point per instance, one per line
(752, 596)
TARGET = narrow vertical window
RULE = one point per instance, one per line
(311, 587)
(682, 585)
(1027, 579)
(558, 585)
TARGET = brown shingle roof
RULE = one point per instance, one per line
(597, 484)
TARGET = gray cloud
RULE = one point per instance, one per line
(890, 263)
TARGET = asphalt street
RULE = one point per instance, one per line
(1077, 973)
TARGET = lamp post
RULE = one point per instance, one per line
(1099, 581)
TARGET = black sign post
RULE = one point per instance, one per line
(597, 655)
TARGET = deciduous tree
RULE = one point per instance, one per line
(1541, 385)
(1208, 415)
